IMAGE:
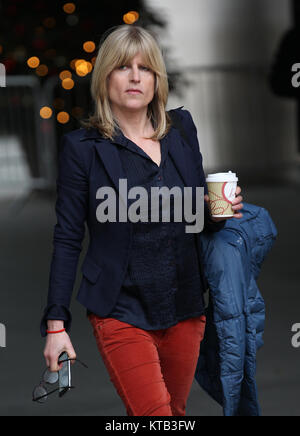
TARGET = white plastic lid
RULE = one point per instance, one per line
(222, 177)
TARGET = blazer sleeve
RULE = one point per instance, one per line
(209, 224)
(71, 213)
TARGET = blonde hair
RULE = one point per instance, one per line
(119, 47)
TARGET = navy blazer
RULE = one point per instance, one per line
(87, 161)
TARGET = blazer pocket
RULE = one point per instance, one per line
(90, 270)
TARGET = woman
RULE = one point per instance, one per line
(142, 283)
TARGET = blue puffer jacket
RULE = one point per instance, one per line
(232, 260)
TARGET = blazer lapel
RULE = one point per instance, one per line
(112, 162)
(110, 158)
(182, 157)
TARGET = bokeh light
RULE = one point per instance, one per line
(89, 46)
(67, 83)
(83, 67)
(46, 112)
(131, 17)
(72, 64)
(69, 8)
(89, 66)
(33, 62)
(82, 70)
(136, 14)
(42, 70)
(63, 117)
(66, 74)
(78, 62)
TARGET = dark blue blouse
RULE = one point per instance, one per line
(163, 283)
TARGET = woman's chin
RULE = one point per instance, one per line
(132, 107)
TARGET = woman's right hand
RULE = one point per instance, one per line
(57, 343)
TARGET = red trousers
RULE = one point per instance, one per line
(152, 371)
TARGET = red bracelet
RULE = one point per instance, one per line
(58, 331)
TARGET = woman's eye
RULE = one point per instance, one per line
(142, 68)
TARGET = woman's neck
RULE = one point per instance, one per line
(134, 124)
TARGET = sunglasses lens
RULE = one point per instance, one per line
(50, 377)
(40, 392)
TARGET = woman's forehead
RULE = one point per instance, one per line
(137, 55)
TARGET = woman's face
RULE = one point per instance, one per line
(131, 86)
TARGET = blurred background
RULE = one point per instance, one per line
(232, 64)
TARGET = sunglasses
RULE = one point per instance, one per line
(41, 391)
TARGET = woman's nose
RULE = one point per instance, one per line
(135, 74)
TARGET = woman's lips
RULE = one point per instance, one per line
(134, 91)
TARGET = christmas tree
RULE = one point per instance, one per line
(53, 32)
(57, 42)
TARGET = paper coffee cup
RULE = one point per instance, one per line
(221, 191)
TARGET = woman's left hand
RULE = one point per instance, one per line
(237, 205)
